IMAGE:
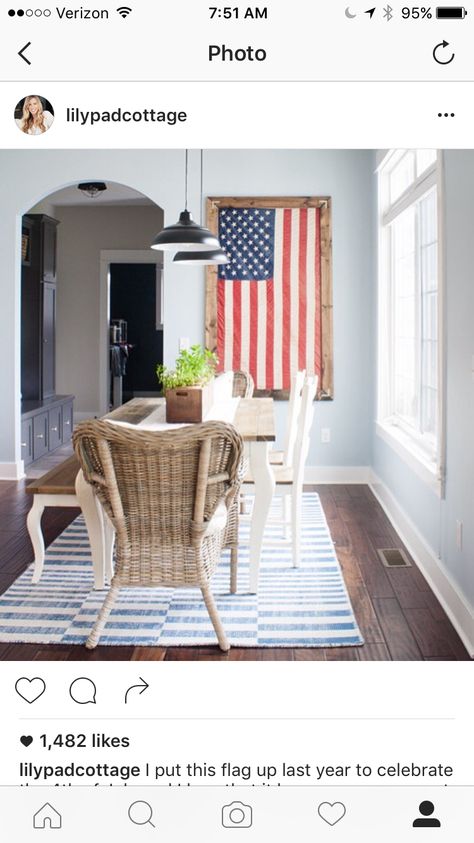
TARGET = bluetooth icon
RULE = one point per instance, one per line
(387, 13)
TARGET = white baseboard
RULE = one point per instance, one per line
(458, 610)
(337, 474)
(91, 414)
(12, 470)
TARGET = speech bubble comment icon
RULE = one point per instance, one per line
(83, 691)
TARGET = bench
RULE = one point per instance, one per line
(64, 486)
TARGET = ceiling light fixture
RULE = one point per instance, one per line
(185, 235)
(92, 189)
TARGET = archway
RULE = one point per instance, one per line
(92, 234)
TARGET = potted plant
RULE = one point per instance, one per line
(188, 387)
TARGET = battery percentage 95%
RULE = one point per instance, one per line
(417, 13)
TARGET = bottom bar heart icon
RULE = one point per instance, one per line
(331, 812)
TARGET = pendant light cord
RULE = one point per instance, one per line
(202, 179)
(186, 180)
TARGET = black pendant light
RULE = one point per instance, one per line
(216, 256)
(185, 235)
(208, 258)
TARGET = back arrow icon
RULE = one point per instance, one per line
(443, 45)
(23, 50)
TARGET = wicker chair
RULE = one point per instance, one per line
(243, 385)
(168, 495)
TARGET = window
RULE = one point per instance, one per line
(409, 330)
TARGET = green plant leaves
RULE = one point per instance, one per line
(195, 366)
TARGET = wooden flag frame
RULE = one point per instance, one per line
(214, 203)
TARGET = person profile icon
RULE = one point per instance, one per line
(426, 809)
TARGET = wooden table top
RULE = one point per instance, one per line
(254, 418)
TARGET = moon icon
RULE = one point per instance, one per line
(349, 13)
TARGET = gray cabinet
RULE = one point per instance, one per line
(67, 409)
(45, 425)
(38, 307)
(40, 435)
(55, 427)
(48, 356)
(27, 441)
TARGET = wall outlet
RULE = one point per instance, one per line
(459, 526)
(325, 435)
(184, 343)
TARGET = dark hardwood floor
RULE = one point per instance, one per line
(399, 616)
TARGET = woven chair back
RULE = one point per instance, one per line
(243, 385)
(160, 488)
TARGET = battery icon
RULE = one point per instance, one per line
(451, 12)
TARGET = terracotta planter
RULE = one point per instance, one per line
(188, 403)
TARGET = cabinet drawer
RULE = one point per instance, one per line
(40, 435)
(55, 428)
(67, 420)
(27, 441)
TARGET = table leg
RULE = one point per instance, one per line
(33, 523)
(93, 517)
(264, 487)
(109, 541)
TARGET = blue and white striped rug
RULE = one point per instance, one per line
(295, 607)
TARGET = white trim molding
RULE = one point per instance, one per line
(414, 458)
(345, 474)
(458, 610)
(12, 470)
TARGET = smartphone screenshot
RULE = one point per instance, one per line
(236, 427)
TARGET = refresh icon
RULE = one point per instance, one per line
(437, 53)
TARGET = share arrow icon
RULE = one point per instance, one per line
(370, 12)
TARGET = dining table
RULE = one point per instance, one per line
(253, 418)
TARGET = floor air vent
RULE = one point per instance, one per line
(394, 557)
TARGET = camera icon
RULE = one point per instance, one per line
(236, 815)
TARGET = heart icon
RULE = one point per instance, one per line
(30, 689)
(331, 812)
(26, 740)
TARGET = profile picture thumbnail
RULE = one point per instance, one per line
(34, 115)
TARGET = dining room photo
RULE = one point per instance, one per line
(237, 405)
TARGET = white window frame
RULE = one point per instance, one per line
(409, 445)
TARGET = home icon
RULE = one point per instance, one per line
(47, 817)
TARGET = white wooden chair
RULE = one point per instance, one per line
(289, 478)
(285, 457)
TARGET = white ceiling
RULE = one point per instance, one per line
(116, 194)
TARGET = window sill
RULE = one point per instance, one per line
(401, 443)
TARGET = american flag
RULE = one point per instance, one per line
(269, 295)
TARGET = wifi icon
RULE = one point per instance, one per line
(124, 11)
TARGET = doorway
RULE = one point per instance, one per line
(136, 330)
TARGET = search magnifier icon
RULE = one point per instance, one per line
(141, 813)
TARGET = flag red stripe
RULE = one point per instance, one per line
(253, 305)
(286, 298)
(302, 292)
(221, 326)
(237, 326)
(317, 327)
(269, 379)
